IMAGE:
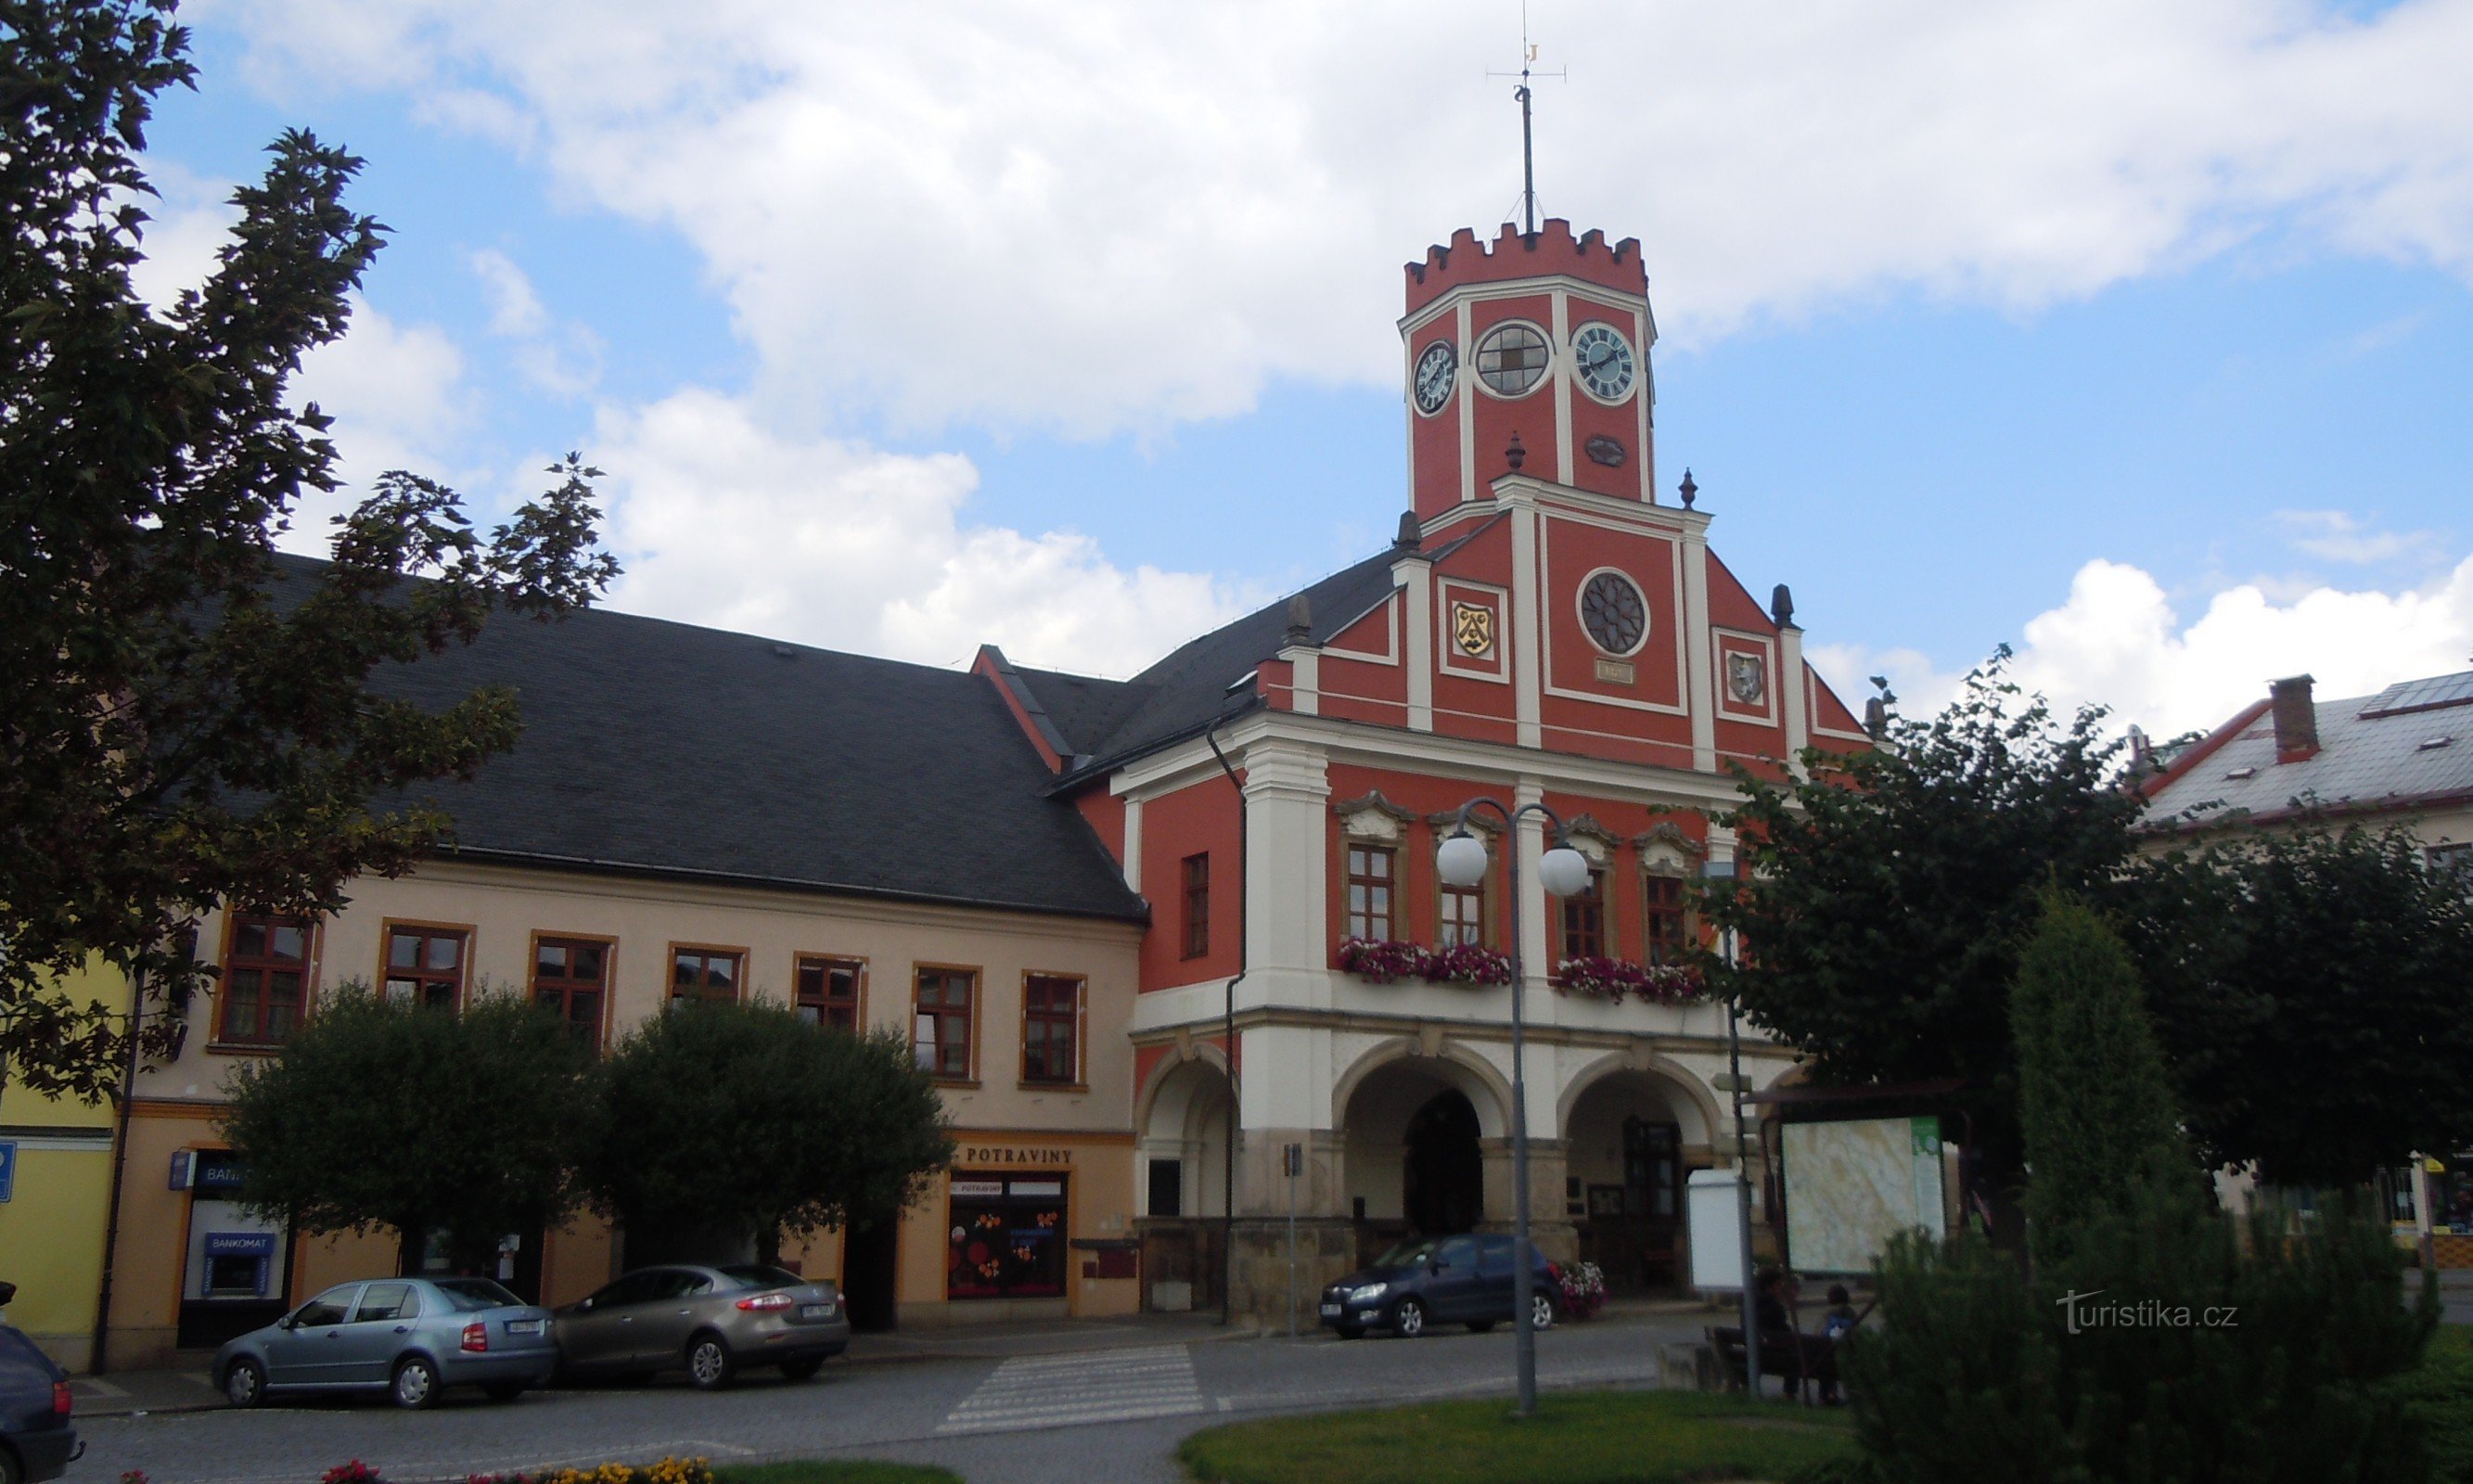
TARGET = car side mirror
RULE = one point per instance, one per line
(288, 1322)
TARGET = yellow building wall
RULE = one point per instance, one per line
(52, 1226)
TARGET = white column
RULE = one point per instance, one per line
(1416, 580)
(1558, 356)
(1536, 935)
(1702, 696)
(1465, 379)
(1287, 813)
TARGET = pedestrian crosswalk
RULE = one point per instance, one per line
(1064, 1391)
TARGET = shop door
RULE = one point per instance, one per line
(871, 1251)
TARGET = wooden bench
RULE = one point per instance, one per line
(1799, 1361)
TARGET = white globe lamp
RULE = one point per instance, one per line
(1563, 872)
(1461, 860)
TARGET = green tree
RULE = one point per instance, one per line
(748, 1121)
(2093, 1102)
(1886, 895)
(174, 737)
(2311, 986)
(383, 1114)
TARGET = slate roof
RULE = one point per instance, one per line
(663, 747)
(2373, 752)
(1110, 722)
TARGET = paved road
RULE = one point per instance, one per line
(1062, 1419)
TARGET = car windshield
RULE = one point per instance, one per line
(757, 1275)
(469, 1295)
(1406, 1255)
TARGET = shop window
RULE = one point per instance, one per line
(1051, 1014)
(706, 975)
(1197, 906)
(1668, 923)
(570, 975)
(425, 966)
(266, 970)
(1584, 920)
(1005, 1237)
(1370, 876)
(829, 992)
(940, 1025)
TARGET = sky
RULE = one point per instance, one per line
(2136, 337)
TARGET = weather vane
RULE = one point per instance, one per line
(1528, 144)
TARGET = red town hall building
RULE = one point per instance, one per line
(1120, 919)
(1542, 631)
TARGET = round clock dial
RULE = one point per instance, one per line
(1604, 360)
(1613, 611)
(1436, 370)
(1511, 359)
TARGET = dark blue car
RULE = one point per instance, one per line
(35, 1438)
(1440, 1280)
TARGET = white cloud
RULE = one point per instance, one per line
(2117, 641)
(398, 397)
(190, 218)
(1127, 215)
(723, 521)
(2334, 535)
(563, 359)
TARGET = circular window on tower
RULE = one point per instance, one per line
(1511, 359)
(1614, 612)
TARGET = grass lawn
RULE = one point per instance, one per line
(1614, 1437)
(839, 1472)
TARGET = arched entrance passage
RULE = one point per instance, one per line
(1181, 1178)
(1631, 1138)
(1413, 1130)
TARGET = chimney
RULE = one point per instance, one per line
(2296, 718)
(1300, 619)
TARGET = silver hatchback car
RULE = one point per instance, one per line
(410, 1338)
(711, 1321)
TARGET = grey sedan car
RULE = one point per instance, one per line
(711, 1321)
(409, 1337)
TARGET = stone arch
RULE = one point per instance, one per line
(1186, 1116)
(1148, 1096)
(1487, 1090)
(1714, 1117)
(1633, 1125)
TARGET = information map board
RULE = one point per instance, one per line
(1851, 1186)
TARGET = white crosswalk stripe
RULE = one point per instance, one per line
(1064, 1391)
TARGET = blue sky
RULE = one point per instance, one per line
(1078, 337)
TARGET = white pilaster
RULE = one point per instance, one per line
(1697, 662)
(1558, 356)
(1528, 685)
(1791, 696)
(1536, 942)
(1287, 810)
(1133, 861)
(1416, 579)
(1304, 670)
(1465, 380)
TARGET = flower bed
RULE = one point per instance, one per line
(1389, 961)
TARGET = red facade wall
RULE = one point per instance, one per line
(1192, 820)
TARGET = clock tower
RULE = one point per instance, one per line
(1539, 339)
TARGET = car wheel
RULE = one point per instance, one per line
(1480, 1326)
(12, 1471)
(1349, 1331)
(245, 1383)
(709, 1363)
(1408, 1321)
(803, 1368)
(503, 1391)
(416, 1383)
(1541, 1311)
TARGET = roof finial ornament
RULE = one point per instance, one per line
(1781, 607)
(1688, 489)
(1527, 147)
(1412, 532)
(1517, 454)
(1300, 619)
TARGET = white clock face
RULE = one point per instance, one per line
(1603, 359)
(1436, 370)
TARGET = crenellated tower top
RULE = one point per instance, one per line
(1551, 250)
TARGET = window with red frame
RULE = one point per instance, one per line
(1462, 914)
(425, 966)
(704, 974)
(829, 992)
(1051, 1014)
(571, 976)
(1584, 920)
(940, 1025)
(1669, 922)
(1371, 871)
(266, 972)
(1197, 906)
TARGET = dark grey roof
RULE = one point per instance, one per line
(2411, 743)
(1179, 695)
(660, 747)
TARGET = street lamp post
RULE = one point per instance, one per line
(1461, 861)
